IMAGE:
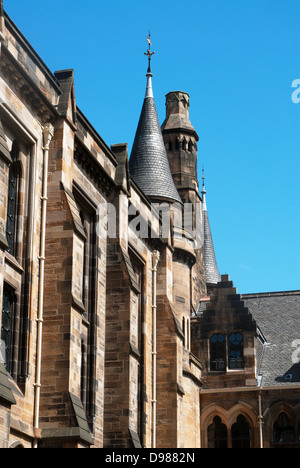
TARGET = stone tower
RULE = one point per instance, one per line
(180, 140)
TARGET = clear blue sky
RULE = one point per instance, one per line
(237, 59)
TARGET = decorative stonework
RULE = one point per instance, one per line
(24, 86)
(93, 169)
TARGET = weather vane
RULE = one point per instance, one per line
(149, 53)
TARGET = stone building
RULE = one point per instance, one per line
(117, 329)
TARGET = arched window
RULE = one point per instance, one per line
(283, 431)
(16, 445)
(184, 144)
(190, 146)
(240, 433)
(170, 146)
(177, 145)
(217, 434)
(217, 352)
(235, 351)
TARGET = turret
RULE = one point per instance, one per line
(181, 139)
(148, 165)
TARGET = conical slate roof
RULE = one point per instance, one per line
(149, 165)
(210, 262)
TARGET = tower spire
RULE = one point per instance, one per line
(149, 75)
(210, 262)
(148, 164)
(203, 192)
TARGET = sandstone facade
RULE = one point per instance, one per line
(107, 328)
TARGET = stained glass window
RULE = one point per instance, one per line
(235, 351)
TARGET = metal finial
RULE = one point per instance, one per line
(149, 53)
(203, 179)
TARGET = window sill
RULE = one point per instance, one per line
(13, 262)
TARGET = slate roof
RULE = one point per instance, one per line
(148, 164)
(212, 273)
(278, 317)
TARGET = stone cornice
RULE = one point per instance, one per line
(25, 87)
(93, 168)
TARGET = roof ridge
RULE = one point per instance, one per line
(295, 292)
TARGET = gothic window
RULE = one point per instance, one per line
(235, 351)
(137, 339)
(190, 146)
(177, 146)
(184, 144)
(240, 433)
(217, 352)
(170, 146)
(89, 330)
(7, 327)
(283, 431)
(12, 200)
(217, 434)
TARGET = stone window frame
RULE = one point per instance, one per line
(88, 213)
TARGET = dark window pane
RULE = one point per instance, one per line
(240, 433)
(217, 434)
(6, 327)
(283, 430)
(11, 209)
(217, 352)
